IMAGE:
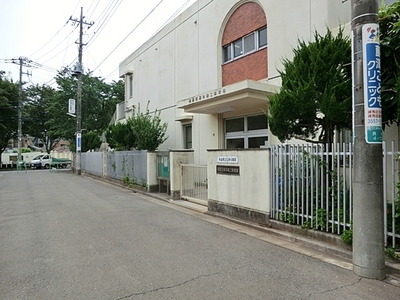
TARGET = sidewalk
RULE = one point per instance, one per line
(317, 249)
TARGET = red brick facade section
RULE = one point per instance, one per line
(253, 66)
(246, 19)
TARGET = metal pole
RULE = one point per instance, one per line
(368, 226)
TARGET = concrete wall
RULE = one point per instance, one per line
(152, 182)
(245, 194)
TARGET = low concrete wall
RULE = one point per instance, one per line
(239, 183)
(152, 182)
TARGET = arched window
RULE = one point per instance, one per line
(244, 45)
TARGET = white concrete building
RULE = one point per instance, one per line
(210, 70)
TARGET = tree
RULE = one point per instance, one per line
(148, 131)
(99, 100)
(46, 109)
(120, 136)
(389, 26)
(39, 115)
(315, 97)
(8, 111)
(90, 141)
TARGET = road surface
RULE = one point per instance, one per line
(64, 236)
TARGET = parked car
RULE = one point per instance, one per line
(46, 161)
(36, 162)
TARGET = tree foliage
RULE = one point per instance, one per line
(148, 130)
(90, 141)
(46, 109)
(120, 136)
(98, 101)
(389, 26)
(143, 131)
(8, 111)
(38, 114)
(315, 97)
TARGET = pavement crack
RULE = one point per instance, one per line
(337, 288)
(166, 287)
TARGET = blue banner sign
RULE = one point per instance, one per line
(372, 83)
(78, 142)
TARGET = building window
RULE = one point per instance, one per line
(130, 86)
(246, 132)
(245, 45)
(228, 52)
(238, 48)
(249, 43)
(187, 136)
(262, 37)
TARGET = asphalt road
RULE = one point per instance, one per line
(64, 236)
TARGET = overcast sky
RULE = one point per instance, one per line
(40, 31)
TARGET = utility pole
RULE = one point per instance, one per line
(19, 113)
(368, 222)
(22, 61)
(78, 72)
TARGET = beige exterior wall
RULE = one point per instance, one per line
(184, 60)
(250, 189)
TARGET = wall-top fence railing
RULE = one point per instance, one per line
(194, 184)
(312, 187)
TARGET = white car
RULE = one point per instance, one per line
(36, 162)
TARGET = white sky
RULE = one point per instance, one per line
(37, 29)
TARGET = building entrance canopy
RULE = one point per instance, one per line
(244, 95)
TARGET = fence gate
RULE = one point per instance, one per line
(194, 185)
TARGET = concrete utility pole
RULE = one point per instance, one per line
(78, 72)
(19, 112)
(368, 222)
(21, 61)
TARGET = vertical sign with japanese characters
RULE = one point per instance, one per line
(372, 83)
(78, 142)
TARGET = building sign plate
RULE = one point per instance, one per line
(231, 170)
(227, 159)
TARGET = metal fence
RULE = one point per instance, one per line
(312, 187)
(92, 162)
(194, 184)
(128, 165)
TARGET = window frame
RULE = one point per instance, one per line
(245, 134)
(185, 136)
(229, 49)
(130, 86)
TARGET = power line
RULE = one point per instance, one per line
(103, 23)
(48, 41)
(129, 34)
(162, 26)
(57, 45)
(53, 38)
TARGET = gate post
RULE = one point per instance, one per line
(176, 158)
